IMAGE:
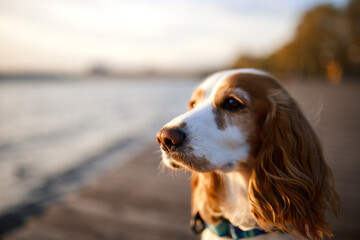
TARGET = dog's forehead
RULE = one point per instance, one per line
(214, 81)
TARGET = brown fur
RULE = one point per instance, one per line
(196, 97)
(291, 184)
(207, 189)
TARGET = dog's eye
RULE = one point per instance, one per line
(232, 103)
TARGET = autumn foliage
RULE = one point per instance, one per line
(326, 43)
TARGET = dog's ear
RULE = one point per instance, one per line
(206, 196)
(291, 186)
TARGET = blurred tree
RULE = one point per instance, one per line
(352, 15)
(327, 43)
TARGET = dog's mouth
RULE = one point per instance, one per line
(187, 160)
(174, 165)
(174, 160)
(180, 160)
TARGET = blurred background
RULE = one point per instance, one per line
(85, 85)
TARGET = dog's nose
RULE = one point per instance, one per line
(170, 138)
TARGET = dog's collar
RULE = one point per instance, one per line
(223, 229)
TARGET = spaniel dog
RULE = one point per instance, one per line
(258, 167)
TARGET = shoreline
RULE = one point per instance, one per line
(116, 204)
(68, 182)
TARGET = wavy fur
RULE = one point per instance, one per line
(291, 186)
(207, 195)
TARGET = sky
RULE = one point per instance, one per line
(72, 35)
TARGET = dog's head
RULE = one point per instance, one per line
(244, 119)
(221, 129)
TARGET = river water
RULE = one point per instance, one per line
(49, 128)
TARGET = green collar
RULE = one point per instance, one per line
(223, 229)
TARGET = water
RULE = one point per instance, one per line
(48, 128)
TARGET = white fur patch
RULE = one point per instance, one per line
(237, 209)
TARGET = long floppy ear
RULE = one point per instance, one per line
(291, 186)
(207, 189)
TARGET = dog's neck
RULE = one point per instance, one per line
(236, 207)
(223, 195)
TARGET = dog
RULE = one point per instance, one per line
(258, 167)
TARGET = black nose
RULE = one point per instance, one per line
(170, 138)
